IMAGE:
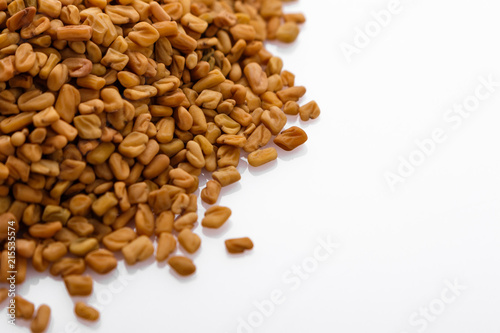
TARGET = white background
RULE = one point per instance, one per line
(397, 248)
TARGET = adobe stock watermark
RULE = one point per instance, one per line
(11, 272)
(103, 296)
(291, 279)
(364, 36)
(421, 319)
(453, 119)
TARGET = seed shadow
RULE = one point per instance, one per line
(238, 256)
(291, 155)
(230, 189)
(162, 264)
(90, 324)
(219, 232)
(284, 48)
(32, 279)
(103, 278)
(183, 279)
(140, 266)
(242, 166)
(26, 323)
(192, 256)
(268, 167)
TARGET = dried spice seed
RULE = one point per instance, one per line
(110, 114)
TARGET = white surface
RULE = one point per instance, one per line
(398, 248)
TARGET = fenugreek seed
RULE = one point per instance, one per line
(182, 265)
(24, 308)
(274, 119)
(101, 261)
(86, 312)
(291, 138)
(216, 216)
(185, 221)
(166, 245)
(4, 293)
(238, 245)
(21, 18)
(226, 176)
(74, 33)
(81, 246)
(211, 192)
(189, 241)
(256, 77)
(139, 249)
(309, 111)
(54, 251)
(260, 157)
(45, 230)
(68, 266)
(288, 32)
(116, 240)
(78, 285)
(41, 320)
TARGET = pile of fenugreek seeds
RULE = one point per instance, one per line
(109, 112)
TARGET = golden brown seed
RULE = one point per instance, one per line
(194, 23)
(309, 111)
(81, 246)
(68, 266)
(24, 308)
(86, 312)
(288, 32)
(116, 240)
(45, 230)
(57, 77)
(74, 33)
(25, 248)
(194, 155)
(21, 18)
(259, 138)
(35, 100)
(243, 31)
(4, 292)
(164, 222)
(189, 241)
(262, 156)
(78, 67)
(80, 205)
(25, 58)
(274, 119)
(181, 178)
(216, 216)
(256, 77)
(144, 220)
(41, 320)
(226, 176)
(291, 138)
(101, 261)
(144, 34)
(54, 251)
(291, 94)
(133, 144)
(139, 249)
(80, 225)
(294, 17)
(211, 192)
(185, 221)
(182, 265)
(78, 285)
(238, 245)
(166, 245)
(104, 203)
(291, 108)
